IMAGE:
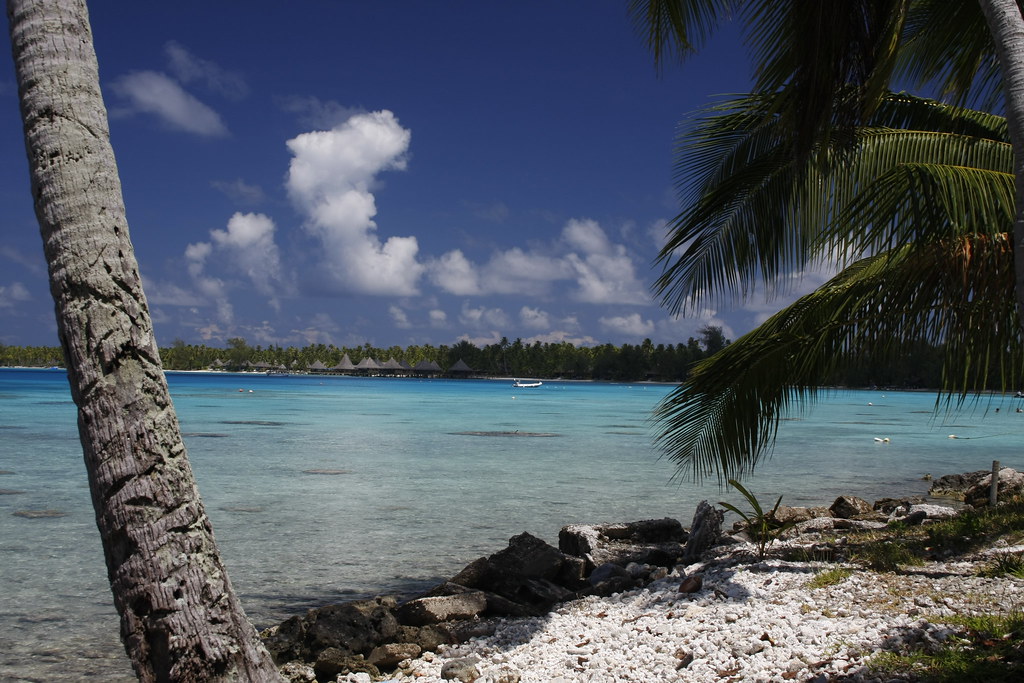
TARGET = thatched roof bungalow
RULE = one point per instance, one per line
(460, 368)
(344, 365)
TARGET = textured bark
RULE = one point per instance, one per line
(1006, 25)
(180, 619)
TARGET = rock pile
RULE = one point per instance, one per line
(531, 580)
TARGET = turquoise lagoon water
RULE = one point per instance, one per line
(422, 477)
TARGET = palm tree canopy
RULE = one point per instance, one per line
(917, 213)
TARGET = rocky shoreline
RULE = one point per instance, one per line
(649, 600)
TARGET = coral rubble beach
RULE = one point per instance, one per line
(728, 616)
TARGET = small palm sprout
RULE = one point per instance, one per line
(762, 527)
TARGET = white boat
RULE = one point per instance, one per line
(525, 385)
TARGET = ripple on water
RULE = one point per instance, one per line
(512, 433)
(39, 514)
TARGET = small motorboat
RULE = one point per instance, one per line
(525, 385)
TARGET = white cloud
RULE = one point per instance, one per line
(586, 236)
(632, 325)
(455, 274)
(534, 318)
(603, 272)
(438, 318)
(330, 179)
(249, 244)
(12, 294)
(399, 317)
(482, 317)
(155, 93)
(188, 68)
(559, 336)
(211, 290)
(518, 272)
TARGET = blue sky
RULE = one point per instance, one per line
(392, 173)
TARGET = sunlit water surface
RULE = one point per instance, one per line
(324, 489)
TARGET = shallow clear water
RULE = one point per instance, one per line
(417, 478)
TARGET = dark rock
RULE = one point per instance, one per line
(462, 669)
(390, 655)
(848, 507)
(351, 628)
(286, 642)
(529, 557)
(691, 584)
(530, 573)
(791, 515)
(461, 631)
(705, 532)
(334, 661)
(434, 610)
(890, 505)
(355, 627)
(429, 637)
(608, 570)
(956, 485)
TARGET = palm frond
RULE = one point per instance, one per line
(947, 46)
(674, 29)
(753, 211)
(722, 421)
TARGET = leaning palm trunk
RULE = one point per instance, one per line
(180, 619)
(1007, 28)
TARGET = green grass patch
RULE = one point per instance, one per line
(1005, 564)
(829, 577)
(988, 648)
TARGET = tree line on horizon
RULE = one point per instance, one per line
(608, 362)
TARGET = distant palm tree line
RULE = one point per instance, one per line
(625, 363)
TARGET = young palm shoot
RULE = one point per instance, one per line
(762, 527)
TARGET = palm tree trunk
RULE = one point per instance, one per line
(180, 619)
(1007, 28)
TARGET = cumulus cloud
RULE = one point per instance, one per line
(188, 69)
(482, 317)
(155, 93)
(632, 325)
(455, 274)
(249, 244)
(534, 318)
(246, 246)
(597, 270)
(330, 179)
